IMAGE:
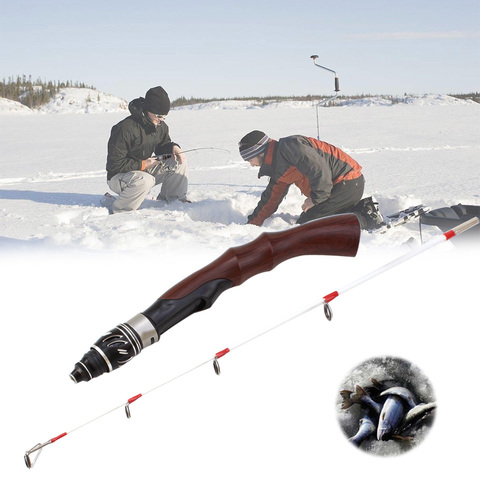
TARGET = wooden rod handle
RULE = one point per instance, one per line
(336, 235)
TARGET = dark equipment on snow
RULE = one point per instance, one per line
(336, 235)
(369, 215)
(449, 217)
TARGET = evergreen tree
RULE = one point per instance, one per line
(34, 93)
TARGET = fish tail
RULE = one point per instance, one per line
(346, 399)
(358, 395)
(376, 383)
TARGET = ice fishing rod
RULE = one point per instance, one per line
(170, 163)
(323, 102)
(336, 235)
(205, 148)
(166, 156)
(30, 462)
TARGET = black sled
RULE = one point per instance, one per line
(446, 218)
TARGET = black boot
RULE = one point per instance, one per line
(368, 214)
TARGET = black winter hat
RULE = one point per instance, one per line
(253, 144)
(157, 101)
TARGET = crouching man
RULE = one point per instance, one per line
(331, 180)
(131, 170)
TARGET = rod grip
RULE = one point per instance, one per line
(336, 235)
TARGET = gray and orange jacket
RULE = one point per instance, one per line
(313, 166)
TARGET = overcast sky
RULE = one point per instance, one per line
(221, 48)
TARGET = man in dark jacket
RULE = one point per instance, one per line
(331, 180)
(131, 170)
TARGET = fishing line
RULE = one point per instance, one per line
(205, 148)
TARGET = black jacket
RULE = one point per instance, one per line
(135, 139)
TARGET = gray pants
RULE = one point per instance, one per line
(133, 187)
(343, 197)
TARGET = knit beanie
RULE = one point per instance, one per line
(157, 101)
(253, 144)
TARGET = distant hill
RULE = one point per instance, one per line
(34, 93)
(84, 100)
(27, 97)
(344, 101)
(341, 100)
(70, 100)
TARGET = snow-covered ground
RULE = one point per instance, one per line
(52, 171)
(70, 272)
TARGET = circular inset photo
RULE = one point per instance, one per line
(386, 406)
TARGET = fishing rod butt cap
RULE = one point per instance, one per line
(90, 366)
(115, 348)
(80, 374)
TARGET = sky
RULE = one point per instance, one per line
(250, 48)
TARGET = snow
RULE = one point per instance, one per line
(11, 107)
(51, 188)
(374, 101)
(70, 272)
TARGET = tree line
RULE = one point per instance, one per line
(34, 93)
(261, 101)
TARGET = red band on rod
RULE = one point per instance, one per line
(328, 298)
(450, 234)
(222, 353)
(58, 438)
(136, 397)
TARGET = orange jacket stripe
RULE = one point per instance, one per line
(294, 175)
(337, 153)
(278, 191)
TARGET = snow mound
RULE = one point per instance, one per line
(365, 102)
(11, 107)
(427, 99)
(84, 100)
(223, 105)
(247, 105)
(376, 101)
(436, 99)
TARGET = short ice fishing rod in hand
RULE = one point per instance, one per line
(169, 161)
(326, 100)
(241, 264)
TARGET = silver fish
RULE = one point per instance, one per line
(366, 428)
(403, 393)
(417, 414)
(390, 417)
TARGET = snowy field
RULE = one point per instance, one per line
(52, 171)
(70, 272)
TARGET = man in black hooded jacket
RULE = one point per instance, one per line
(131, 170)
